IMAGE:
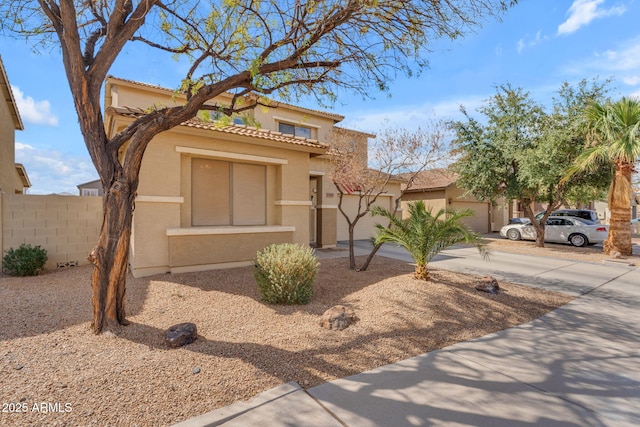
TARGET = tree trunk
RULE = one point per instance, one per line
(619, 238)
(352, 255)
(421, 273)
(538, 226)
(110, 259)
(367, 261)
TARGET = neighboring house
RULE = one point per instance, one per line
(91, 188)
(602, 207)
(212, 194)
(13, 176)
(438, 189)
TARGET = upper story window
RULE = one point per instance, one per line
(89, 192)
(295, 130)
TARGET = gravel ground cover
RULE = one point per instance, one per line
(54, 371)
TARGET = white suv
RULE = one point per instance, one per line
(588, 216)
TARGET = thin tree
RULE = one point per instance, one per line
(614, 131)
(522, 152)
(367, 171)
(284, 48)
(425, 235)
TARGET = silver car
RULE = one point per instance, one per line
(560, 230)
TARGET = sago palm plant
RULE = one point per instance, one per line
(425, 235)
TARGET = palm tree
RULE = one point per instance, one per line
(614, 132)
(425, 235)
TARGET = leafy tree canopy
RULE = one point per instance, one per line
(520, 151)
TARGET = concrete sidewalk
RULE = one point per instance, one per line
(576, 366)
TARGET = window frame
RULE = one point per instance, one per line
(296, 127)
(90, 192)
(234, 219)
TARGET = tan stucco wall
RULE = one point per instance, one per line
(328, 197)
(66, 226)
(125, 94)
(434, 200)
(165, 194)
(165, 191)
(268, 118)
(10, 181)
(166, 173)
(220, 248)
(365, 228)
(487, 217)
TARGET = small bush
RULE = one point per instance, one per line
(285, 273)
(24, 261)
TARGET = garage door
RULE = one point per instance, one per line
(480, 221)
(365, 228)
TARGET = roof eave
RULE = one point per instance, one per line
(311, 146)
(22, 172)
(8, 96)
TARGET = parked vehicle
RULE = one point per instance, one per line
(519, 220)
(575, 231)
(587, 215)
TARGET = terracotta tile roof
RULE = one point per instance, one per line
(273, 103)
(234, 129)
(432, 179)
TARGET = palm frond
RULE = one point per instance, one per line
(424, 234)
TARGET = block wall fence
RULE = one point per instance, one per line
(66, 226)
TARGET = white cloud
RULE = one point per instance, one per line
(627, 58)
(524, 43)
(38, 112)
(410, 116)
(20, 146)
(51, 171)
(631, 80)
(624, 59)
(582, 12)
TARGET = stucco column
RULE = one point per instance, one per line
(327, 232)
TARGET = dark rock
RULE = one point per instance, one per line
(180, 334)
(488, 284)
(338, 317)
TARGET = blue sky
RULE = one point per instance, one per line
(538, 45)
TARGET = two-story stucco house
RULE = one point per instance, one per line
(13, 176)
(212, 194)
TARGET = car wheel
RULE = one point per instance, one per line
(578, 240)
(513, 234)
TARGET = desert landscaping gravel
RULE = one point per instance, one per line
(55, 372)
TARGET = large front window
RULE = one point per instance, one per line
(226, 193)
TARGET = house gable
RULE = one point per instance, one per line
(13, 176)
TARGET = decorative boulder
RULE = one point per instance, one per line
(488, 284)
(180, 334)
(338, 317)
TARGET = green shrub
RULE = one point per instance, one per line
(285, 273)
(24, 261)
